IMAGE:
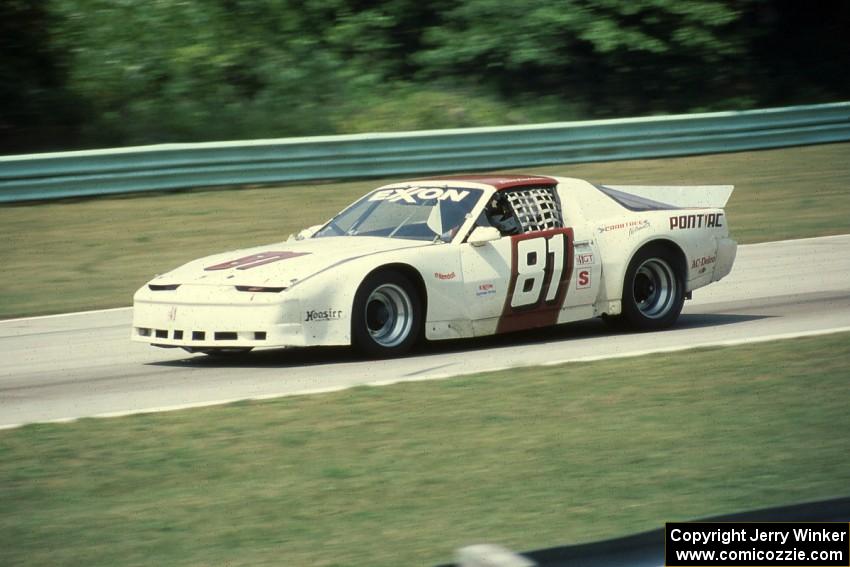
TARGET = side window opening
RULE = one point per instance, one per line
(529, 209)
(499, 214)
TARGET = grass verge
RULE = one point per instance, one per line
(402, 475)
(67, 256)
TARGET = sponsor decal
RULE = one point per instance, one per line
(584, 259)
(583, 279)
(486, 289)
(329, 314)
(633, 226)
(442, 276)
(707, 220)
(254, 260)
(702, 262)
(414, 194)
(644, 224)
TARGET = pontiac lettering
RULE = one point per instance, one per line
(707, 220)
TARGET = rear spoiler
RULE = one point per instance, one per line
(681, 196)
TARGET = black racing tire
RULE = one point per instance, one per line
(653, 289)
(615, 322)
(386, 319)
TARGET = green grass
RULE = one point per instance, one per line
(403, 475)
(66, 256)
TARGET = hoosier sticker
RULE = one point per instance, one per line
(314, 315)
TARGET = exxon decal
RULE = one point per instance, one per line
(418, 194)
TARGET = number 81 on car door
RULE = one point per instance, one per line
(541, 269)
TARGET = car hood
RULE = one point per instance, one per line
(281, 264)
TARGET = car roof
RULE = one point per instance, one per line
(498, 182)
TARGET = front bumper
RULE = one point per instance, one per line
(198, 317)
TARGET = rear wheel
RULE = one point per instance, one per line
(653, 290)
(387, 316)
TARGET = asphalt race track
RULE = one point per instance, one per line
(78, 365)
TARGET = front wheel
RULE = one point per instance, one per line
(653, 290)
(387, 316)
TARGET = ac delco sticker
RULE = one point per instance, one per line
(702, 262)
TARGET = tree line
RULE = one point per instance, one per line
(101, 73)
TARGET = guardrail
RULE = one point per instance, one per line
(179, 166)
(647, 549)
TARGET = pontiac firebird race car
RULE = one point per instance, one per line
(449, 258)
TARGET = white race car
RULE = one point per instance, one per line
(449, 258)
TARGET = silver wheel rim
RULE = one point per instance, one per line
(654, 288)
(388, 315)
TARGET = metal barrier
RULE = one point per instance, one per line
(647, 549)
(179, 166)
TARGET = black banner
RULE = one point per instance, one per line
(757, 544)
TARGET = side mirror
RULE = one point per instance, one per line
(306, 233)
(484, 234)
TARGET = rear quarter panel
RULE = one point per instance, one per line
(694, 232)
(618, 234)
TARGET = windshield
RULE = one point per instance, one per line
(417, 213)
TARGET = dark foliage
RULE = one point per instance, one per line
(94, 73)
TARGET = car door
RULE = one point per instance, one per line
(521, 280)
